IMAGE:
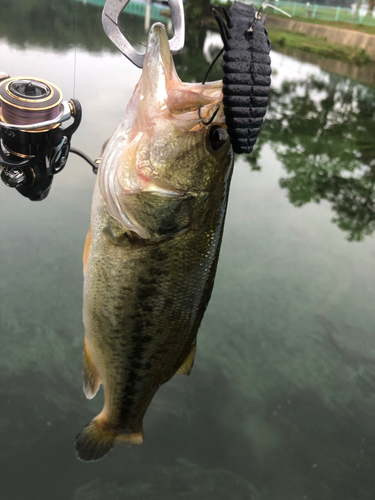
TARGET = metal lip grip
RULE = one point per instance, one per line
(112, 10)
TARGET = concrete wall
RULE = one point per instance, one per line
(364, 74)
(333, 35)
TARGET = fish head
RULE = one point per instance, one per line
(163, 146)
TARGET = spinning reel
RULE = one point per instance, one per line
(33, 145)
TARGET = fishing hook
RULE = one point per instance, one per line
(208, 122)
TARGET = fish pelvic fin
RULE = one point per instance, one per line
(98, 438)
(95, 441)
(187, 365)
(86, 249)
(91, 378)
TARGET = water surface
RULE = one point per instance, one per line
(280, 404)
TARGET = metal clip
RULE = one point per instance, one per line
(112, 10)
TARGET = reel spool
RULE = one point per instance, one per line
(33, 145)
(27, 101)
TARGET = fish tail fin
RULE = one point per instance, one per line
(98, 438)
(95, 441)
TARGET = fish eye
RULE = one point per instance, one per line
(217, 138)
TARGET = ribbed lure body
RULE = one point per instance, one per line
(247, 74)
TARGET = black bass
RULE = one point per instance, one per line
(151, 253)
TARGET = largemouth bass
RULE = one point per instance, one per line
(150, 257)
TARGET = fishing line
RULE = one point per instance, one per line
(75, 52)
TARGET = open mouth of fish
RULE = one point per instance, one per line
(129, 164)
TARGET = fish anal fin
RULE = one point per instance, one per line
(91, 378)
(187, 365)
(86, 250)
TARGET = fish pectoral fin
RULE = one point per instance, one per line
(115, 234)
(161, 215)
(187, 365)
(91, 378)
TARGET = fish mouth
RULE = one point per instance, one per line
(162, 96)
(127, 167)
(162, 91)
(158, 76)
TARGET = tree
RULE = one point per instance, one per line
(371, 5)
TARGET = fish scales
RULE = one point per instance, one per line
(156, 227)
(156, 287)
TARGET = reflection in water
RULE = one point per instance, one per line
(185, 476)
(322, 130)
(52, 23)
(192, 64)
(364, 74)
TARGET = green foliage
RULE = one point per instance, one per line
(197, 9)
(361, 57)
(319, 46)
(349, 24)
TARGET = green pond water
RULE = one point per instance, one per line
(280, 404)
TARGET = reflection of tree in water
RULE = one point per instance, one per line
(323, 133)
(52, 22)
(47, 23)
(192, 64)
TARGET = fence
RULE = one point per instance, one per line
(136, 8)
(322, 12)
(295, 9)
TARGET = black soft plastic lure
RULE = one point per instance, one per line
(247, 73)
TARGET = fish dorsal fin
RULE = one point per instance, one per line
(187, 365)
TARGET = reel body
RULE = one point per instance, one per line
(33, 144)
